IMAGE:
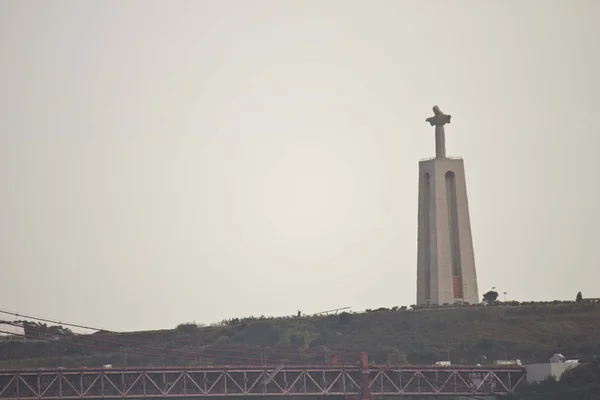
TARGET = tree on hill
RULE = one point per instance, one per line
(39, 330)
(490, 296)
(396, 356)
(345, 318)
(579, 297)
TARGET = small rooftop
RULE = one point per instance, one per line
(559, 358)
(11, 330)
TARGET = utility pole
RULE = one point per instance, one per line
(326, 354)
(55, 356)
(262, 352)
(123, 355)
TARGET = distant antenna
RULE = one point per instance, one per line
(330, 311)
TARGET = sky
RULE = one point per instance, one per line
(173, 161)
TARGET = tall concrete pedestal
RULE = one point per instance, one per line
(445, 260)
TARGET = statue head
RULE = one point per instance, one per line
(439, 119)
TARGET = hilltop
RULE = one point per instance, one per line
(531, 332)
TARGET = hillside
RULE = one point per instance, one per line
(530, 332)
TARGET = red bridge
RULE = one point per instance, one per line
(344, 381)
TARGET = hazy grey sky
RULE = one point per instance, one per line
(169, 161)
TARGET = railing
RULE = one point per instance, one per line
(445, 158)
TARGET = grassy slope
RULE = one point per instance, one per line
(532, 333)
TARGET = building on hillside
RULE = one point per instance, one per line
(591, 300)
(11, 333)
(559, 358)
(555, 368)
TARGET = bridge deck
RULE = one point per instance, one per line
(257, 381)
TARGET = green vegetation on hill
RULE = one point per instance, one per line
(530, 332)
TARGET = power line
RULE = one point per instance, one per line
(126, 351)
(141, 344)
(186, 353)
(54, 322)
(108, 349)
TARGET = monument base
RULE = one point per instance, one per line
(445, 260)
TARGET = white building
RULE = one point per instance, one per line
(555, 368)
(11, 333)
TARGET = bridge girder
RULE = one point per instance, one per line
(256, 381)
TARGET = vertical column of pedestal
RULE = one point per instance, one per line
(467, 255)
(455, 237)
(444, 284)
(424, 234)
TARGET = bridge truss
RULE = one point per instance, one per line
(257, 381)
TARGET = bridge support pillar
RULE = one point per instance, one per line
(366, 382)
